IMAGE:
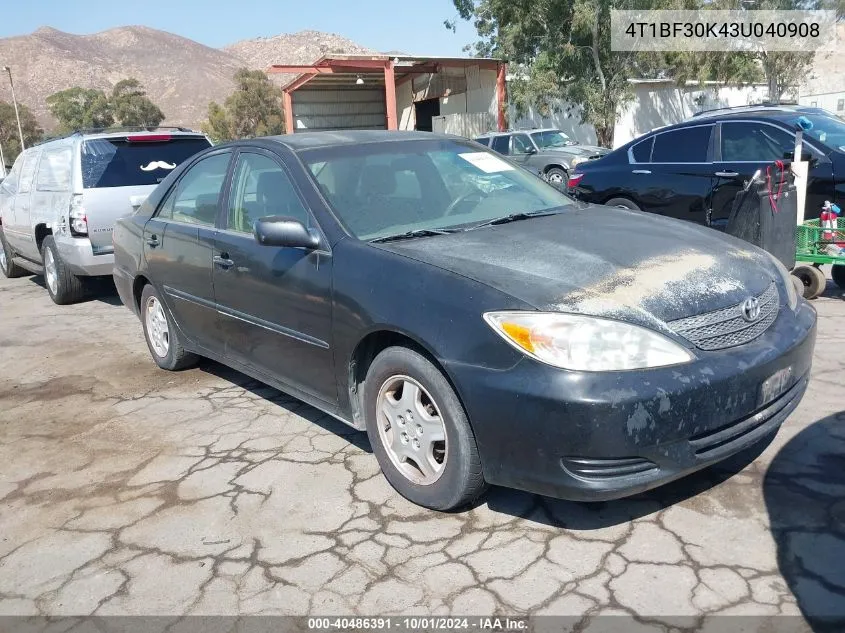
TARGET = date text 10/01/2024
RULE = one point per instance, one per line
(402, 623)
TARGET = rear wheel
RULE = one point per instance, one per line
(64, 287)
(622, 203)
(163, 338)
(838, 274)
(10, 269)
(419, 431)
(812, 279)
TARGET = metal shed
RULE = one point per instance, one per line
(340, 92)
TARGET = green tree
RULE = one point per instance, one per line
(253, 109)
(561, 50)
(131, 106)
(9, 137)
(77, 108)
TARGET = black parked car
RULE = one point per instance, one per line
(693, 170)
(479, 324)
(547, 152)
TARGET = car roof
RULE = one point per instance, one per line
(520, 131)
(314, 140)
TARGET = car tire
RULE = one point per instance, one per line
(163, 337)
(63, 286)
(622, 203)
(437, 474)
(837, 271)
(812, 279)
(10, 269)
(557, 176)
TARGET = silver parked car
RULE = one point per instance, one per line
(59, 203)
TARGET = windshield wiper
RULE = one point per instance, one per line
(514, 217)
(412, 234)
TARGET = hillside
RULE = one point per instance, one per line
(180, 75)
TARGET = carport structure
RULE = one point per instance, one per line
(394, 92)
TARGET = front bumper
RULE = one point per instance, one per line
(78, 255)
(596, 436)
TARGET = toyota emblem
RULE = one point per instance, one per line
(751, 309)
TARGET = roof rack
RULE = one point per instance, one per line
(129, 128)
(751, 106)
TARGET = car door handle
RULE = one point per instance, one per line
(727, 174)
(641, 171)
(223, 261)
(152, 241)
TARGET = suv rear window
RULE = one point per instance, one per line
(120, 162)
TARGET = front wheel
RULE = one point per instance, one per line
(622, 203)
(163, 339)
(557, 176)
(419, 431)
(64, 287)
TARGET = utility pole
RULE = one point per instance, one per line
(15, 103)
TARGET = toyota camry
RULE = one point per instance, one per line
(480, 325)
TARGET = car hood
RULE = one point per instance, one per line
(580, 150)
(595, 260)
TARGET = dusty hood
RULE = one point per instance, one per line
(604, 262)
(581, 150)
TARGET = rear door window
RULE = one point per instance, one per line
(196, 199)
(686, 145)
(27, 172)
(54, 170)
(500, 144)
(484, 141)
(642, 151)
(131, 161)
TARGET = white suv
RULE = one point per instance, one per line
(59, 203)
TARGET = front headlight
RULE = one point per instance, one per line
(586, 343)
(577, 161)
(786, 278)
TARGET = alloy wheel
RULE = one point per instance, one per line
(50, 274)
(555, 178)
(411, 429)
(157, 329)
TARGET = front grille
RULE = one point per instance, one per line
(727, 327)
(602, 469)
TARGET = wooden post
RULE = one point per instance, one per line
(390, 96)
(501, 96)
(287, 104)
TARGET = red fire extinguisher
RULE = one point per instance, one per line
(827, 219)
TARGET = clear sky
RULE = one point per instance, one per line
(411, 26)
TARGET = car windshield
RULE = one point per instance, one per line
(551, 138)
(122, 162)
(827, 130)
(385, 189)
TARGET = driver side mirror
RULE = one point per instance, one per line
(531, 150)
(277, 230)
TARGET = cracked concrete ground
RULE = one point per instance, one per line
(125, 489)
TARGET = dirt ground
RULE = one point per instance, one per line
(125, 489)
